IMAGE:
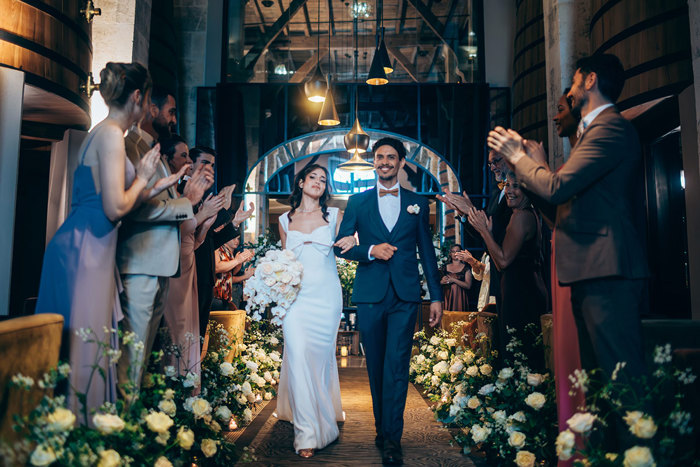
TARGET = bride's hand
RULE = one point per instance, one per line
(345, 243)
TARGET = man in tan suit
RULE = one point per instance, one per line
(601, 253)
(148, 249)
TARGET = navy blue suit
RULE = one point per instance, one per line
(388, 294)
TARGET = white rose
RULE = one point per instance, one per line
(456, 367)
(167, 406)
(525, 459)
(535, 400)
(107, 423)
(275, 356)
(251, 366)
(443, 355)
(435, 340)
(109, 458)
(246, 388)
(163, 462)
(581, 422)
(60, 420)
(223, 413)
(487, 389)
(267, 396)
(208, 447)
(441, 368)
(479, 433)
(266, 268)
(468, 357)
(565, 444)
(241, 399)
(516, 439)
(247, 415)
(200, 407)
(434, 380)
(505, 373)
(158, 422)
(473, 370)
(473, 403)
(451, 342)
(226, 369)
(267, 376)
(170, 371)
(43, 455)
(499, 416)
(519, 416)
(639, 456)
(485, 369)
(534, 379)
(420, 359)
(644, 428)
(169, 394)
(185, 438)
(632, 417)
(274, 340)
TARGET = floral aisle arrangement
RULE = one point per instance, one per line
(346, 273)
(663, 438)
(442, 254)
(174, 420)
(264, 243)
(276, 283)
(508, 414)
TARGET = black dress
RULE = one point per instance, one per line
(523, 297)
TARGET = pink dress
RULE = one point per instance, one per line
(566, 351)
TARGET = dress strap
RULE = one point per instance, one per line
(89, 139)
(284, 221)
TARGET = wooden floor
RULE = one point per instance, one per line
(424, 441)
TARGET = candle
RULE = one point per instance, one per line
(343, 351)
(232, 425)
(343, 363)
(258, 398)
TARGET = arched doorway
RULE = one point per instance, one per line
(269, 182)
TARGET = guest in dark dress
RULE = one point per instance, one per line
(519, 259)
(456, 280)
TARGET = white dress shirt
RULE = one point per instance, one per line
(389, 209)
(588, 119)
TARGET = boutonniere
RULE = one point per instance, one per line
(413, 209)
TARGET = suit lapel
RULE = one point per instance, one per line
(374, 211)
(402, 213)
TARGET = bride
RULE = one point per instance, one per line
(309, 391)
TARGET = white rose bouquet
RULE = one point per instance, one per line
(276, 283)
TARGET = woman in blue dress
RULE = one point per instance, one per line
(78, 278)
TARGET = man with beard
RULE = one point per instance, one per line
(163, 112)
(598, 193)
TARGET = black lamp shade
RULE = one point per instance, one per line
(376, 75)
(384, 55)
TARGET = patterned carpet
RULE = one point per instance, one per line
(424, 441)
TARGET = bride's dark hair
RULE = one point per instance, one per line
(295, 198)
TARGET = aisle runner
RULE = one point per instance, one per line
(424, 442)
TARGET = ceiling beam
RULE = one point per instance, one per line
(421, 28)
(279, 2)
(330, 16)
(251, 58)
(404, 62)
(400, 15)
(430, 19)
(308, 66)
(262, 17)
(308, 31)
(438, 49)
(309, 43)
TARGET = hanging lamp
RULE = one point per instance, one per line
(328, 116)
(356, 164)
(356, 140)
(377, 75)
(315, 87)
(384, 55)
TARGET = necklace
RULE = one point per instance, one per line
(313, 210)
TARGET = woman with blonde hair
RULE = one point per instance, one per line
(78, 278)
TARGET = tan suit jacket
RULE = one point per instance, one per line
(597, 193)
(149, 237)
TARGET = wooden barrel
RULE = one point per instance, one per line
(652, 39)
(529, 82)
(51, 42)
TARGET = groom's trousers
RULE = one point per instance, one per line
(386, 330)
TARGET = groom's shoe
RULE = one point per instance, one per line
(391, 454)
(379, 441)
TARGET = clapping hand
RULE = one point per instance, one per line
(244, 256)
(227, 191)
(456, 202)
(465, 256)
(163, 184)
(479, 221)
(211, 206)
(201, 180)
(346, 243)
(535, 151)
(148, 163)
(508, 143)
(241, 214)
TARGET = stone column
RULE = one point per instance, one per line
(566, 39)
(11, 96)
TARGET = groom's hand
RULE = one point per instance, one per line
(383, 251)
(435, 314)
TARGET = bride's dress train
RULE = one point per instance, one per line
(309, 391)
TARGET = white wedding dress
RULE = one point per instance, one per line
(309, 391)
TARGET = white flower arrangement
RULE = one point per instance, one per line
(276, 283)
(413, 209)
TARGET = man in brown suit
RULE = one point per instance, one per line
(601, 251)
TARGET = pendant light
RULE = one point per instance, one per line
(356, 140)
(356, 164)
(315, 87)
(377, 70)
(384, 55)
(328, 116)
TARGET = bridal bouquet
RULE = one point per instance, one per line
(276, 283)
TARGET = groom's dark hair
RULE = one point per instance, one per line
(394, 143)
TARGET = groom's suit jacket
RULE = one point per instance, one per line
(149, 237)
(373, 277)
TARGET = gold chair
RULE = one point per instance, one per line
(29, 345)
(234, 322)
(546, 321)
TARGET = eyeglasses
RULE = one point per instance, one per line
(494, 162)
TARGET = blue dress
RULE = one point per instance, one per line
(79, 281)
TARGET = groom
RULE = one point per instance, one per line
(390, 222)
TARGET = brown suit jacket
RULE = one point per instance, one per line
(597, 193)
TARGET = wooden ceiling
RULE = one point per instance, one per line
(422, 37)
